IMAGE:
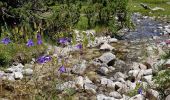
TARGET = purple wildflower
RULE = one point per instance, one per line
(62, 69)
(79, 46)
(6, 40)
(63, 40)
(43, 59)
(39, 42)
(38, 36)
(30, 43)
(140, 91)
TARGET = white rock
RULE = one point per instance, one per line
(79, 68)
(147, 72)
(137, 97)
(115, 95)
(104, 70)
(14, 69)
(152, 94)
(66, 85)
(104, 97)
(90, 88)
(107, 82)
(167, 64)
(133, 73)
(106, 46)
(148, 78)
(168, 97)
(113, 40)
(18, 75)
(107, 57)
(28, 71)
(120, 75)
(79, 82)
(87, 80)
(10, 77)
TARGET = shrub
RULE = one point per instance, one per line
(19, 53)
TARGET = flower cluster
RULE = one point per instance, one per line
(64, 40)
(31, 43)
(79, 46)
(44, 59)
(6, 40)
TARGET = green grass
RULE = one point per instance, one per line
(134, 6)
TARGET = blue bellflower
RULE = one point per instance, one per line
(39, 40)
(63, 40)
(140, 91)
(30, 43)
(62, 69)
(6, 41)
(43, 59)
(79, 46)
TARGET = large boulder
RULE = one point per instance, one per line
(107, 58)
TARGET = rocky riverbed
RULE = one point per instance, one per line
(108, 69)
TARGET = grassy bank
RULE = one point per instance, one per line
(134, 6)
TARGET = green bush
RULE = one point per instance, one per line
(83, 23)
(19, 53)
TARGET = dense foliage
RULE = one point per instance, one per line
(23, 18)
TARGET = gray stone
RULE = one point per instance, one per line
(66, 85)
(1, 74)
(113, 40)
(152, 94)
(115, 95)
(104, 70)
(79, 68)
(28, 71)
(87, 80)
(168, 97)
(120, 75)
(147, 72)
(137, 97)
(167, 64)
(148, 78)
(90, 88)
(79, 82)
(13, 69)
(106, 46)
(120, 65)
(18, 75)
(104, 97)
(107, 82)
(107, 58)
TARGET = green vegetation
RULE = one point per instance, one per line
(24, 18)
(19, 53)
(134, 6)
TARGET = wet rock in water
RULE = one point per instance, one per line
(106, 46)
(66, 85)
(168, 97)
(104, 97)
(138, 97)
(115, 95)
(79, 68)
(18, 75)
(107, 58)
(90, 88)
(152, 94)
(28, 71)
(104, 70)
